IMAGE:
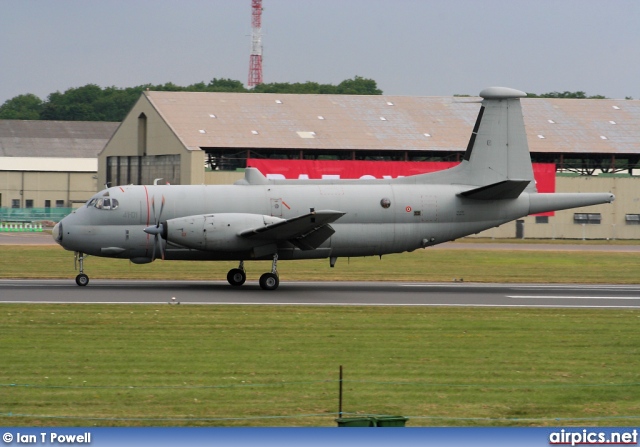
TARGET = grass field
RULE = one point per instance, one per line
(421, 265)
(233, 365)
(152, 365)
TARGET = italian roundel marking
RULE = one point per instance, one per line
(408, 209)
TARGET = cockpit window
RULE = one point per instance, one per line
(104, 203)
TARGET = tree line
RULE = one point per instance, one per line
(94, 103)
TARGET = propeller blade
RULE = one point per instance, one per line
(159, 218)
(153, 208)
(161, 248)
(157, 229)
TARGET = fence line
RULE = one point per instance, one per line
(22, 215)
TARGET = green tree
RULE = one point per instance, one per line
(225, 85)
(22, 107)
(93, 103)
(358, 86)
(569, 95)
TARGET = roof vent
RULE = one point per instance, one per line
(320, 117)
(616, 107)
(426, 134)
(551, 121)
(211, 115)
(612, 122)
(278, 101)
(542, 137)
(389, 103)
(602, 137)
(202, 131)
(382, 118)
(255, 132)
(306, 134)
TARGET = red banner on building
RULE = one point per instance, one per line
(544, 173)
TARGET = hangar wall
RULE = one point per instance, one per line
(606, 221)
(28, 189)
(157, 152)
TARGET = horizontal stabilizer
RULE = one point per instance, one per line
(306, 232)
(506, 189)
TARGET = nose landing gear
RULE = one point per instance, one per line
(82, 279)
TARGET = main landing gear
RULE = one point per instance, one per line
(81, 279)
(268, 281)
(237, 277)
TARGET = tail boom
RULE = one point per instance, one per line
(542, 203)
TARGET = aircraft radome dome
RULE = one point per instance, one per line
(501, 93)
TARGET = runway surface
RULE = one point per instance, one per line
(323, 294)
(330, 293)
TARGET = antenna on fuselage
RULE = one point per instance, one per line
(155, 181)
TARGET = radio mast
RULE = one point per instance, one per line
(255, 62)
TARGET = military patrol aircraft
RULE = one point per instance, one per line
(259, 218)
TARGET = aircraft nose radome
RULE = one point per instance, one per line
(57, 232)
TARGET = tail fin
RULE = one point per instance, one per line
(497, 158)
(498, 149)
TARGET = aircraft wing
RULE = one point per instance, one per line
(306, 232)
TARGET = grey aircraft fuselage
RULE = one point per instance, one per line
(259, 218)
(414, 218)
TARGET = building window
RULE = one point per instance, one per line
(142, 135)
(47, 203)
(15, 203)
(587, 218)
(59, 203)
(542, 219)
(127, 170)
(632, 219)
(28, 203)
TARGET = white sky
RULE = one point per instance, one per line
(409, 47)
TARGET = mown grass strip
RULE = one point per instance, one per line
(235, 365)
(421, 265)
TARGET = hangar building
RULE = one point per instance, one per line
(195, 138)
(48, 165)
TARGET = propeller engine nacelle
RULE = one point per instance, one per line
(213, 232)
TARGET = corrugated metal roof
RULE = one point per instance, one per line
(66, 139)
(240, 120)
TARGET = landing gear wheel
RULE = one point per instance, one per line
(82, 279)
(236, 277)
(269, 281)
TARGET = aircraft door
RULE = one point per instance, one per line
(276, 207)
(429, 208)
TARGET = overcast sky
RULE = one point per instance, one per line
(410, 47)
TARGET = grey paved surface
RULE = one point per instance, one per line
(323, 293)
